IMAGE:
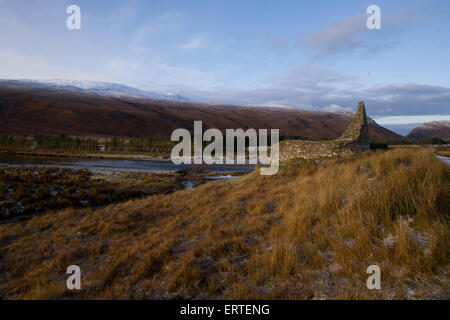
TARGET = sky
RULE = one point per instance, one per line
(312, 55)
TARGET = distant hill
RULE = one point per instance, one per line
(35, 109)
(435, 129)
(97, 87)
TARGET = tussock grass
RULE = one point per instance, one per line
(310, 231)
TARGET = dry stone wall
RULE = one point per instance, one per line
(355, 139)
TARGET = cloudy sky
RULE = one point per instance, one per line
(315, 55)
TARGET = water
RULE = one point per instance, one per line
(189, 184)
(445, 159)
(99, 165)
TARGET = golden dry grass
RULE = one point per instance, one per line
(308, 232)
(443, 151)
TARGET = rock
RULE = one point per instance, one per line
(390, 241)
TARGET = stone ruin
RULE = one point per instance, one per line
(355, 139)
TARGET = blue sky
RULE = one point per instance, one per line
(315, 55)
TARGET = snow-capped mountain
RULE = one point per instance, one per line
(98, 87)
(437, 129)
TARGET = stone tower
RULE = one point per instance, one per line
(358, 130)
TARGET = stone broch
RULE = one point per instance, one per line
(355, 139)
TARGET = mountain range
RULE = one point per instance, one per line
(92, 109)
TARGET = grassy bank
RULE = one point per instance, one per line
(28, 191)
(310, 231)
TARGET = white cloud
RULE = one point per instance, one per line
(339, 36)
(410, 119)
(311, 77)
(351, 35)
(15, 65)
(196, 42)
(140, 38)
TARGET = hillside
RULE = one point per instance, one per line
(97, 87)
(308, 232)
(434, 129)
(34, 109)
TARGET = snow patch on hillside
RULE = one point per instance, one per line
(435, 125)
(100, 88)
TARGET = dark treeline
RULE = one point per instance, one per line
(151, 144)
(66, 143)
(408, 142)
(9, 141)
(384, 143)
(63, 142)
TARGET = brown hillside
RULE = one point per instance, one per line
(31, 110)
(435, 129)
(308, 232)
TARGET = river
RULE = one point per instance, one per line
(445, 159)
(101, 165)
